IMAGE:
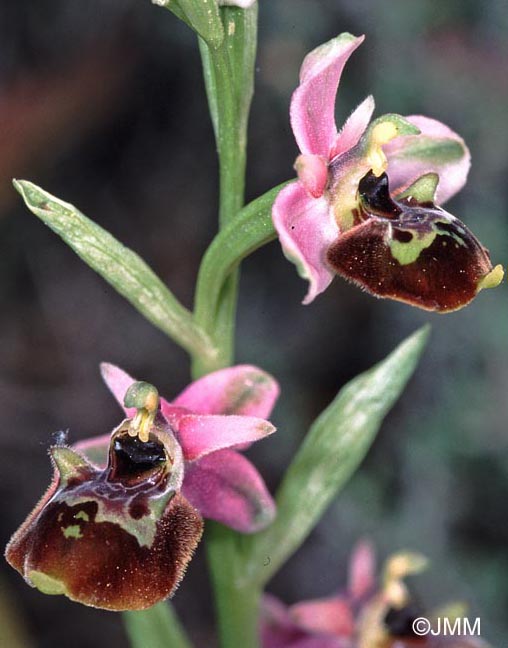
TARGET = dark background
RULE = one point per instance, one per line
(102, 104)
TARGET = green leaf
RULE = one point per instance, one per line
(118, 265)
(336, 444)
(157, 627)
(201, 15)
(250, 230)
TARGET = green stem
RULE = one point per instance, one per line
(157, 627)
(237, 605)
(230, 134)
(249, 231)
(229, 77)
(230, 129)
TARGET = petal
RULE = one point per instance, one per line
(312, 172)
(354, 127)
(225, 486)
(306, 230)
(95, 449)
(278, 630)
(328, 616)
(437, 149)
(118, 382)
(243, 389)
(313, 102)
(362, 570)
(199, 435)
(275, 612)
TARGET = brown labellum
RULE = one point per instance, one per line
(117, 538)
(411, 251)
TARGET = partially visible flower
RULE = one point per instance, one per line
(122, 517)
(364, 615)
(387, 252)
(212, 419)
(117, 537)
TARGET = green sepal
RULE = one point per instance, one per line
(201, 15)
(331, 452)
(423, 190)
(435, 151)
(119, 266)
(68, 462)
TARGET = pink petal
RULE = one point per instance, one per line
(243, 389)
(405, 165)
(275, 612)
(95, 449)
(312, 172)
(199, 435)
(172, 414)
(313, 102)
(327, 616)
(118, 382)
(362, 570)
(306, 229)
(354, 127)
(279, 630)
(225, 486)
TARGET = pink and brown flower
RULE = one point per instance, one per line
(364, 204)
(367, 614)
(123, 515)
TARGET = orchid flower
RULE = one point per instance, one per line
(123, 515)
(213, 418)
(364, 204)
(322, 623)
(365, 615)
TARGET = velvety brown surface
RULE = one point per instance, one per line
(444, 276)
(105, 566)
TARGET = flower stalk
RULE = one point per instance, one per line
(157, 626)
(229, 79)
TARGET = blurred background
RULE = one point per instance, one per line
(102, 104)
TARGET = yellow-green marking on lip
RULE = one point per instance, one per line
(492, 279)
(46, 584)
